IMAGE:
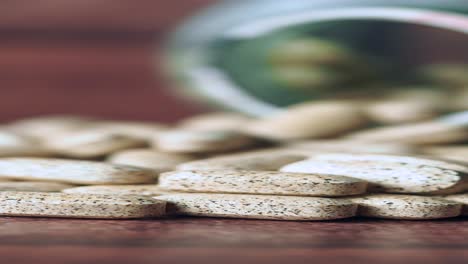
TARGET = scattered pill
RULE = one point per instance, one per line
(389, 177)
(215, 121)
(258, 206)
(149, 159)
(405, 207)
(196, 141)
(72, 171)
(132, 129)
(349, 146)
(261, 182)
(142, 189)
(33, 186)
(459, 198)
(45, 127)
(256, 160)
(425, 133)
(402, 111)
(309, 120)
(403, 160)
(79, 205)
(91, 144)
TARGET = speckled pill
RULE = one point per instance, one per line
(310, 51)
(402, 111)
(141, 189)
(449, 152)
(149, 159)
(389, 177)
(254, 160)
(73, 171)
(201, 141)
(215, 121)
(424, 133)
(423, 161)
(47, 127)
(405, 207)
(349, 146)
(305, 77)
(91, 143)
(14, 144)
(459, 198)
(258, 206)
(33, 186)
(309, 120)
(261, 182)
(132, 129)
(26, 151)
(10, 139)
(79, 205)
(451, 75)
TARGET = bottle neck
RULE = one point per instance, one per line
(439, 19)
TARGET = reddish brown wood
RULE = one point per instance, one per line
(38, 240)
(104, 78)
(100, 58)
(94, 15)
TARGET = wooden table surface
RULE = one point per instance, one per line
(203, 240)
(96, 57)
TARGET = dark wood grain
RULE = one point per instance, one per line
(99, 78)
(94, 16)
(98, 58)
(189, 240)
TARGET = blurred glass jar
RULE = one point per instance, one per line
(256, 56)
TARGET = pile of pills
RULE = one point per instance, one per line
(314, 161)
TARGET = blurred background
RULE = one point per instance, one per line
(90, 57)
(104, 58)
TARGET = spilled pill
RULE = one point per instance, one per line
(72, 171)
(79, 205)
(261, 182)
(258, 206)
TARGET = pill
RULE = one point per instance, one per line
(79, 205)
(193, 141)
(44, 127)
(460, 100)
(433, 95)
(309, 120)
(451, 152)
(133, 129)
(13, 144)
(90, 144)
(261, 182)
(459, 198)
(349, 146)
(389, 177)
(33, 186)
(414, 207)
(258, 206)
(72, 171)
(309, 51)
(215, 121)
(149, 159)
(401, 111)
(452, 75)
(10, 139)
(26, 151)
(398, 159)
(141, 189)
(306, 77)
(417, 133)
(254, 160)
